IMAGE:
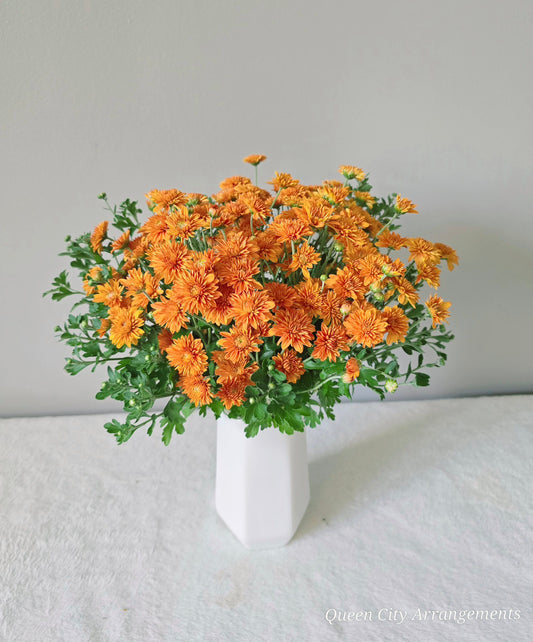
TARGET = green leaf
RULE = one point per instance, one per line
(74, 366)
(284, 389)
(172, 411)
(167, 433)
(252, 429)
(421, 379)
(122, 432)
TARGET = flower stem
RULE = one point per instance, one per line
(386, 226)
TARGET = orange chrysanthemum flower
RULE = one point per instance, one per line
(309, 297)
(405, 206)
(294, 328)
(405, 291)
(268, 246)
(391, 239)
(366, 198)
(98, 236)
(283, 181)
(291, 196)
(104, 327)
(429, 273)
(223, 197)
(282, 294)
(183, 225)
(233, 181)
(164, 339)
(238, 274)
(219, 310)
(366, 326)
(239, 343)
(161, 201)
(357, 215)
(205, 260)
(137, 247)
(196, 290)
(170, 314)
(422, 251)
(438, 309)
(397, 324)
(255, 159)
(256, 206)
(334, 193)
(141, 287)
(315, 212)
(393, 268)
(251, 309)
(447, 254)
(349, 232)
(187, 355)
(369, 268)
(109, 293)
(226, 369)
(290, 364)
(122, 242)
(197, 388)
(126, 326)
(352, 370)
(329, 342)
(350, 172)
(288, 230)
(94, 274)
(234, 245)
(347, 284)
(169, 260)
(232, 392)
(331, 308)
(253, 191)
(303, 259)
(155, 230)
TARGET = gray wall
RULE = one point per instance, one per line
(434, 99)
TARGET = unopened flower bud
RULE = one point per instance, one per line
(345, 308)
(391, 385)
(338, 247)
(324, 277)
(271, 367)
(251, 401)
(379, 297)
(271, 386)
(374, 288)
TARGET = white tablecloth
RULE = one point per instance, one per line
(419, 511)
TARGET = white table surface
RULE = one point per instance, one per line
(415, 506)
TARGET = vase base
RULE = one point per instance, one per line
(264, 541)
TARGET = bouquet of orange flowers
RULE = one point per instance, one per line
(267, 305)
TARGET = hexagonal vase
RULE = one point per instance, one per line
(262, 483)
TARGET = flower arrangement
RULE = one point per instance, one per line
(267, 305)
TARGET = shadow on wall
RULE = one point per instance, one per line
(492, 302)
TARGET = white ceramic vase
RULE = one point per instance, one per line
(262, 483)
